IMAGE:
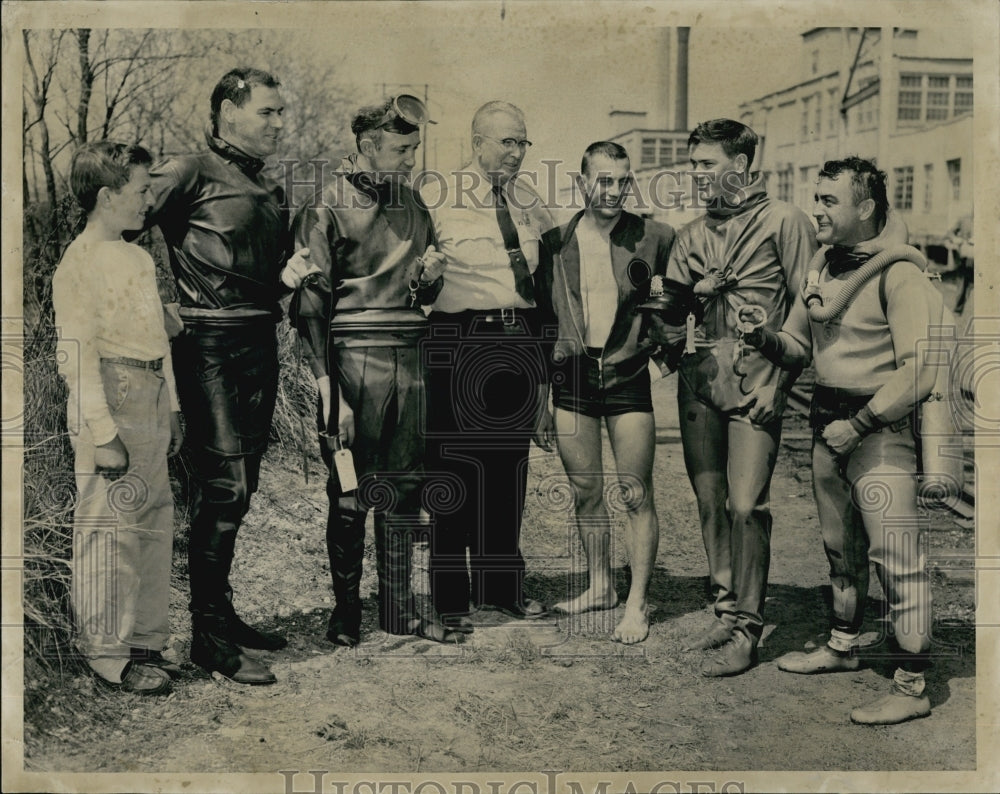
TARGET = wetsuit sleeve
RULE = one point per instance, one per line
(796, 247)
(427, 292)
(677, 264)
(548, 321)
(173, 183)
(795, 336)
(315, 228)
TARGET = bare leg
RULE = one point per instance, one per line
(579, 439)
(632, 441)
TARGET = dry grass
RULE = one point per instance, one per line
(48, 484)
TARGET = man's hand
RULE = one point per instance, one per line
(544, 433)
(434, 265)
(766, 404)
(841, 437)
(172, 322)
(111, 459)
(297, 268)
(323, 386)
(750, 323)
(753, 336)
(176, 434)
(544, 429)
(345, 421)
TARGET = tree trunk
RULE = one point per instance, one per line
(86, 84)
(39, 96)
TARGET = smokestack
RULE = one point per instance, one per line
(681, 70)
(659, 89)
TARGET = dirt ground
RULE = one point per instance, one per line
(554, 694)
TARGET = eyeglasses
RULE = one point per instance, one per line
(509, 143)
(410, 109)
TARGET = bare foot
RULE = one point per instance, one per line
(591, 600)
(634, 626)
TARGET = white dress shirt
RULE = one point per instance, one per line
(463, 208)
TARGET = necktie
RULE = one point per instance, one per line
(522, 278)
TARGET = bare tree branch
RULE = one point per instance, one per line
(112, 102)
(39, 92)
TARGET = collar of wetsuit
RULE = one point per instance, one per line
(841, 260)
(247, 163)
(750, 195)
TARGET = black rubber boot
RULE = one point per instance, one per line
(213, 651)
(247, 636)
(345, 543)
(344, 627)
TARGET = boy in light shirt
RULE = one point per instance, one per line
(124, 422)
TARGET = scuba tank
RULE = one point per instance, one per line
(936, 430)
(939, 438)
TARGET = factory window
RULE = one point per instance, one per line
(671, 151)
(662, 151)
(786, 186)
(933, 97)
(928, 187)
(938, 97)
(909, 104)
(955, 178)
(649, 151)
(903, 188)
(963, 94)
(807, 184)
(831, 113)
(868, 114)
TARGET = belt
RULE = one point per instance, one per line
(228, 318)
(830, 403)
(834, 399)
(490, 321)
(155, 365)
(502, 316)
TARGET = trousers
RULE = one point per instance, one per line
(867, 506)
(730, 462)
(227, 382)
(385, 388)
(482, 383)
(123, 530)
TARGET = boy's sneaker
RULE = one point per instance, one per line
(140, 679)
(156, 659)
